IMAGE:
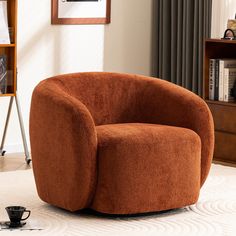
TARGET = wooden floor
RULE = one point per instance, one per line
(12, 162)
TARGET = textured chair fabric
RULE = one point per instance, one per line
(118, 143)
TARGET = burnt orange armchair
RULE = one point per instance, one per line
(119, 143)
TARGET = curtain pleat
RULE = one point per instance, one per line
(173, 39)
(182, 27)
(179, 48)
(195, 48)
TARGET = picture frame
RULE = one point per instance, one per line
(72, 12)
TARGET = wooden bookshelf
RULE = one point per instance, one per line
(10, 51)
(224, 113)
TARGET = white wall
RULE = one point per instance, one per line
(45, 50)
(128, 39)
(222, 10)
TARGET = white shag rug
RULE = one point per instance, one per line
(213, 215)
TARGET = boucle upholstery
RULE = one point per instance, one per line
(118, 143)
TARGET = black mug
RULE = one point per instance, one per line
(15, 214)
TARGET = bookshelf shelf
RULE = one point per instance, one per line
(12, 45)
(8, 85)
(224, 113)
(8, 95)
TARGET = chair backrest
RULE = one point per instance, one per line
(110, 97)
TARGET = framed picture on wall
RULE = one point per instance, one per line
(70, 12)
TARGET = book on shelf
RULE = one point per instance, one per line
(212, 79)
(216, 97)
(229, 80)
(3, 74)
(217, 77)
(4, 32)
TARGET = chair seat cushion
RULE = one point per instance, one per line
(146, 167)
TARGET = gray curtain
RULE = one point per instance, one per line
(182, 26)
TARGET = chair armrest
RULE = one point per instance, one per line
(63, 145)
(169, 104)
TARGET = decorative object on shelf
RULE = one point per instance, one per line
(4, 34)
(70, 12)
(3, 74)
(229, 34)
(232, 24)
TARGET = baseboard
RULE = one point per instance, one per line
(224, 162)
